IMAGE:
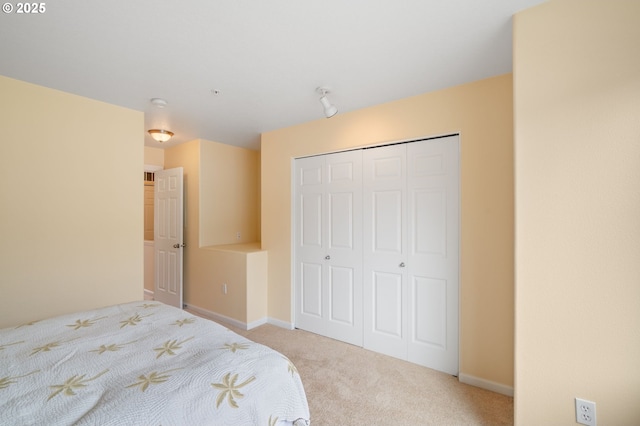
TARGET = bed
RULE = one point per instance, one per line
(143, 363)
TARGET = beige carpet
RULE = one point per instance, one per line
(347, 385)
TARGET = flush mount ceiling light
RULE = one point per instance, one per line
(159, 102)
(329, 110)
(160, 135)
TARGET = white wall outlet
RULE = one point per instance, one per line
(238, 235)
(585, 412)
(224, 288)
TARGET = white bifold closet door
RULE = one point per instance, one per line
(376, 249)
(411, 238)
(328, 246)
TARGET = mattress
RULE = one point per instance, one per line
(143, 363)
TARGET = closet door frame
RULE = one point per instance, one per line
(409, 335)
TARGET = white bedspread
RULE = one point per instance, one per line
(143, 363)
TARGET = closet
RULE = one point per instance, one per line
(376, 249)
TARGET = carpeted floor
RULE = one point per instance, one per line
(348, 385)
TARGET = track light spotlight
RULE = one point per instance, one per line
(329, 109)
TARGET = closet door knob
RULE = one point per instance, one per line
(401, 264)
(327, 257)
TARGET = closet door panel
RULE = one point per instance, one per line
(343, 249)
(429, 212)
(311, 289)
(309, 303)
(341, 221)
(387, 300)
(386, 210)
(384, 225)
(328, 246)
(342, 295)
(311, 220)
(429, 301)
(432, 258)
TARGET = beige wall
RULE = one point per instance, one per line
(153, 156)
(577, 132)
(71, 197)
(216, 177)
(482, 113)
(229, 194)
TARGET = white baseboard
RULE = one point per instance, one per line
(486, 384)
(217, 317)
(280, 323)
(148, 294)
(258, 323)
(234, 322)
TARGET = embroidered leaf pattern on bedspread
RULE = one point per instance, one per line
(170, 346)
(149, 305)
(74, 382)
(84, 323)
(229, 390)
(273, 420)
(233, 347)
(290, 367)
(133, 320)
(27, 324)
(154, 378)
(182, 322)
(45, 348)
(10, 344)
(9, 380)
(114, 347)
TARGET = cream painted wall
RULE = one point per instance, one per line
(229, 194)
(153, 156)
(71, 203)
(577, 144)
(482, 113)
(208, 167)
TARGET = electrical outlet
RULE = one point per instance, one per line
(238, 235)
(585, 412)
(224, 288)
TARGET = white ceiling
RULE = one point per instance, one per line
(266, 58)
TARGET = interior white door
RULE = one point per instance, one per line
(328, 247)
(385, 246)
(433, 252)
(411, 239)
(168, 236)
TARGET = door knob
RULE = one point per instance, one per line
(177, 245)
(401, 264)
(327, 257)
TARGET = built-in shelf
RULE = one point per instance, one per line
(238, 248)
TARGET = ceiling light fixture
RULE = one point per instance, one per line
(329, 109)
(160, 135)
(159, 102)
